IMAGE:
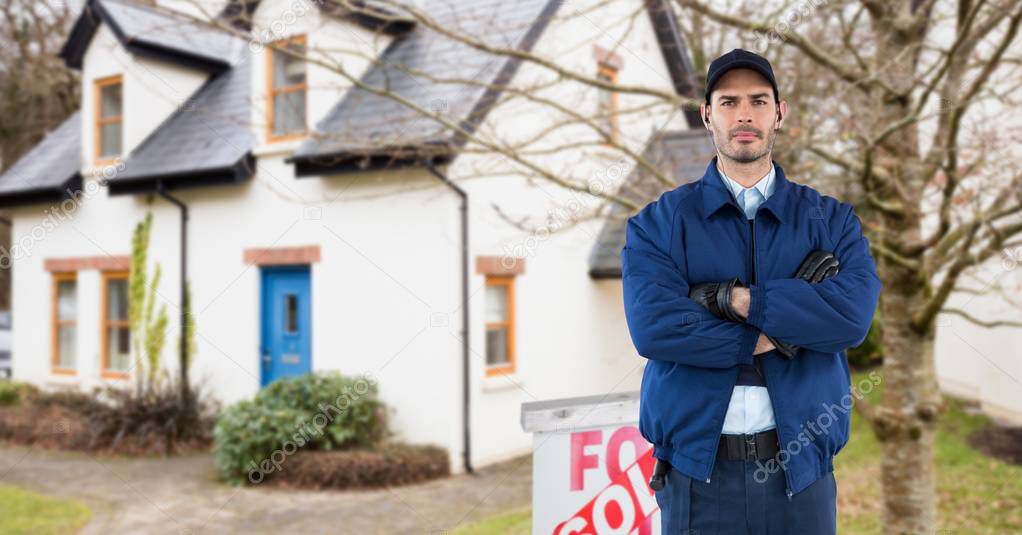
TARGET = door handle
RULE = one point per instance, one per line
(266, 355)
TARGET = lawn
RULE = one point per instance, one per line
(978, 494)
(22, 511)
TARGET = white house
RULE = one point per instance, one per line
(325, 225)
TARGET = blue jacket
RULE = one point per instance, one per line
(696, 233)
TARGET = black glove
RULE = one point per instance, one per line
(818, 266)
(716, 296)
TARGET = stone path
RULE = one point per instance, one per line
(182, 496)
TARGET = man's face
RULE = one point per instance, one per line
(743, 116)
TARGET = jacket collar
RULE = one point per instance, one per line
(716, 194)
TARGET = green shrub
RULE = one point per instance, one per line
(14, 392)
(323, 411)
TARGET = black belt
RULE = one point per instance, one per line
(759, 446)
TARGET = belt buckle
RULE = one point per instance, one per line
(750, 448)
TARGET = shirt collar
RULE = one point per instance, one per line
(765, 185)
(716, 194)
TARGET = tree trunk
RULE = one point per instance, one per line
(906, 420)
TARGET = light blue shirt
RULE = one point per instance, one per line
(750, 410)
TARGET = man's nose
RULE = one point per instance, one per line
(745, 113)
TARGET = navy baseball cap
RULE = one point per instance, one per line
(740, 59)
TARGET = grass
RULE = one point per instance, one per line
(513, 523)
(23, 511)
(978, 494)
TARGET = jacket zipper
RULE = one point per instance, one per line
(734, 383)
(787, 490)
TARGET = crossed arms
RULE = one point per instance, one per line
(666, 324)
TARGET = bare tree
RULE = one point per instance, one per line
(887, 93)
(908, 81)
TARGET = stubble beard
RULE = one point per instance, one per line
(739, 154)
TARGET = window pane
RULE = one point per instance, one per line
(496, 346)
(117, 299)
(66, 300)
(110, 139)
(291, 313)
(287, 69)
(110, 100)
(118, 348)
(66, 346)
(289, 113)
(496, 303)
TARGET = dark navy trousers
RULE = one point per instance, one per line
(738, 501)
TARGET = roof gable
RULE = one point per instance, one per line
(151, 32)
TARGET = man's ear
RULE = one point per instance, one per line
(782, 113)
(704, 112)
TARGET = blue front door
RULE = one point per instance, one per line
(286, 339)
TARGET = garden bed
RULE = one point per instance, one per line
(391, 465)
(1004, 443)
(120, 424)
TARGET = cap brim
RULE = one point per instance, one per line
(740, 64)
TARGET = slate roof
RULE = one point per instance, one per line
(50, 171)
(416, 68)
(371, 14)
(152, 32)
(207, 141)
(681, 156)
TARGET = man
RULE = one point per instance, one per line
(743, 290)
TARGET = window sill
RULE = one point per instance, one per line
(103, 170)
(502, 381)
(118, 376)
(277, 147)
(63, 372)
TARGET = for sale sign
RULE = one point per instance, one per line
(591, 481)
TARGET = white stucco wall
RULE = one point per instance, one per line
(386, 273)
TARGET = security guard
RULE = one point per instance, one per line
(743, 290)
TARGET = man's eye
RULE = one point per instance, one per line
(726, 103)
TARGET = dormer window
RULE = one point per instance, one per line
(287, 87)
(109, 121)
